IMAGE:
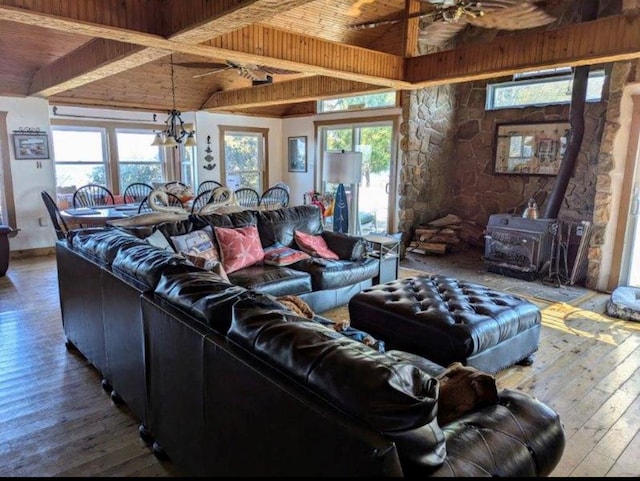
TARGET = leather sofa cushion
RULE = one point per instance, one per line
(348, 247)
(233, 219)
(204, 295)
(278, 225)
(277, 281)
(146, 263)
(103, 245)
(387, 394)
(329, 274)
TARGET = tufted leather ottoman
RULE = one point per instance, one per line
(446, 320)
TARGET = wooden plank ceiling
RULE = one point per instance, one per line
(133, 54)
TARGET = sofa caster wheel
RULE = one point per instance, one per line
(158, 452)
(145, 434)
(106, 386)
(527, 361)
(115, 397)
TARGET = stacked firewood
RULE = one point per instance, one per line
(446, 234)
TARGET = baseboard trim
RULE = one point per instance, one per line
(37, 252)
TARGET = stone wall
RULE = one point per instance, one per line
(477, 192)
(447, 144)
(427, 145)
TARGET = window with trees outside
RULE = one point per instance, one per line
(113, 156)
(244, 158)
(375, 141)
(543, 87)
(138, 161)
(358, 102)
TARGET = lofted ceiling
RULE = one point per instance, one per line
(130, 54)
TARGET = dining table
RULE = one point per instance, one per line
(97, 215)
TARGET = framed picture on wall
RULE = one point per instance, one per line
(534, 148)
(298, 154)
(27, 146)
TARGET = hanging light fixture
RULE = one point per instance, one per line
(175, 129)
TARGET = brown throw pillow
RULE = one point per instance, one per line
(463, 389)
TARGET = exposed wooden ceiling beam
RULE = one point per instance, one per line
(288, 92)
(609, 39)
(93, 61)
(336, 60)
(245, 13)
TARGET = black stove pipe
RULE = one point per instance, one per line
(576, 120)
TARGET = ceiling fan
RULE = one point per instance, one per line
(256, 73)
(441, 20)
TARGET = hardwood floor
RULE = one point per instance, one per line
(57, 421)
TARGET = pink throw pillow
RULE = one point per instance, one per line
(239, 247)
(314, 245)
(283, 256)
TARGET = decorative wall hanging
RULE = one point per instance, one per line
(530, 148)
(30, 143)
(208, 158)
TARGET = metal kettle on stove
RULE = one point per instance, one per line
(531, 212)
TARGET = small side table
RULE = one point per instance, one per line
(387, 249)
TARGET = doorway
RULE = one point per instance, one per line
(375, 140)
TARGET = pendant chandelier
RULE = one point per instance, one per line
(175, 129)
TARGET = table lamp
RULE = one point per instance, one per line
(344, 168)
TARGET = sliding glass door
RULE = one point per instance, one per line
(375, 141)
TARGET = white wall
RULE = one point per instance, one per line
(28, 179)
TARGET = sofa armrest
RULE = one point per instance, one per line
(348, 247)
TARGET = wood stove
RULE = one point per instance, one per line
(517, 246)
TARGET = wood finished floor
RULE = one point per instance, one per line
(55, 419)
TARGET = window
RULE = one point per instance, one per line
(114, 156)
(81, 158)
(244, 157)
(138, 161)
(358, 102)
(544, 87)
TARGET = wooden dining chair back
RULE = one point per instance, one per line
(208, 185)
(136, 192)
(57, 220)
(91, 195)
(247, 197)
(274, 198)
(202, 199)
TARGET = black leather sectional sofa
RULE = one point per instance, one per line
(227, 381)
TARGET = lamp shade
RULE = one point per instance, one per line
(342, 167)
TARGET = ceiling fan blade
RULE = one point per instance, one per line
(275, 70)
(212, 65)
(200, 75)
(517, 17)
(439, 32)
(379, 23)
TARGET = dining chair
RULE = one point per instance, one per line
(274, 198)
(247, 197)
(136, 192)
(208, 185)
(57, 221)
(174, 201)
(91, 195)
(202, 199)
